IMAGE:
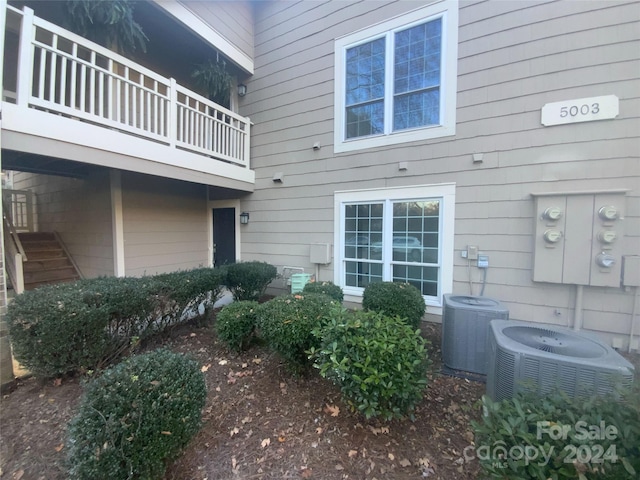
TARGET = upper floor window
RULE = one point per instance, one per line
(395, 82)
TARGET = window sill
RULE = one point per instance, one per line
(416, 135)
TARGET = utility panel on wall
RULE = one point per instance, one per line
(578, 238)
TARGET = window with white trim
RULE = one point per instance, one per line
(398, 234)
(396, 81)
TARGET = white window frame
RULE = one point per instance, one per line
(448, 11)
(445, 192)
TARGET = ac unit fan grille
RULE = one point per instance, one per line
(558, 343)
(549, 358)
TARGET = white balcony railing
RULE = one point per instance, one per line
(65, 74)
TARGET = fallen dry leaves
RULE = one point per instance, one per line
(332, 410)
(252, 429)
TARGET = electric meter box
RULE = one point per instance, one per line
(579, 238)
(465, 331)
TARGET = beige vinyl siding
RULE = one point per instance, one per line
(80, 211)
(514, 57)
(541, 54)
(165, 225)
(231, 19)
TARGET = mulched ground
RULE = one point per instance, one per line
(260, 422)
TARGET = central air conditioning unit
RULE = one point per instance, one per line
(465, 330)
(539, 358)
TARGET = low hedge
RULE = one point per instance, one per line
(187, 294)
(88, 324)
(136, 416)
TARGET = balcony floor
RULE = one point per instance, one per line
(30, 132)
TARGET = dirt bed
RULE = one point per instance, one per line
(260, 422)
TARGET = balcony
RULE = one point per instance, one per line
(68, 98)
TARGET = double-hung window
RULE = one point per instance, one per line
(396, 81)
(396, 235)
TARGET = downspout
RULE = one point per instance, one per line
(577, 313)
(633, 318)
(117, 223)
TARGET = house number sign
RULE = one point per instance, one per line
(580, 110)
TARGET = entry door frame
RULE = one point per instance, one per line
(211, 204)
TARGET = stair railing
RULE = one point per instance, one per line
(18, 206)
(14, 254)
(68, 254)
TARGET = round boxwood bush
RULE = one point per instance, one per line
(395, 299)
(135, 417)
(380, 363)
(286, 323)
(249, 280)
(327, 288)
(236, 323)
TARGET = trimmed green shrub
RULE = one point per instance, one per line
(327, 288)
(88, 324)
(395, 299)
(559, 437)
(380, 363)
(188, 294)
(54, 331)
(128, 301)
(135, 417)
(236, 322)
(286, 322)
(249, 280)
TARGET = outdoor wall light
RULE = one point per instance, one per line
(244, 218)
(242, 89)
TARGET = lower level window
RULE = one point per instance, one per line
(399, 235)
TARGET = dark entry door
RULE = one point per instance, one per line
(224, 236)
